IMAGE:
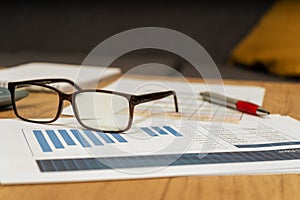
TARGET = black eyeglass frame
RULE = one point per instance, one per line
(133, 100)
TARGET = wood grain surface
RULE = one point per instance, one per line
(282, 98)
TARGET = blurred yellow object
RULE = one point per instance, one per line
(274, 43)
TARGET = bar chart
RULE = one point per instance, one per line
(82, 149)
(56, 165)
(43, 142)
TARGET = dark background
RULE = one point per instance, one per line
(67, 31)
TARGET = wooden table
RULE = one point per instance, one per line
(282, 98)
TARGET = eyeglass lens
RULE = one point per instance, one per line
(103, 111)
(41, 103)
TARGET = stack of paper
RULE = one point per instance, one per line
(157, 145)
(84, 76)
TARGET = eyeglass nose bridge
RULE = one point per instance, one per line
(67, 97)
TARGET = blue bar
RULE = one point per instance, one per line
(66, 137)
(80, 138)
(118, 137)
(42, 141)
(92, 137)
(171, 130)
(195, 159)
(267, 144)
(105, 137)
(149, 131)
(159, 130)
(54, 139)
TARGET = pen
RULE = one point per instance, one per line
(240, 105)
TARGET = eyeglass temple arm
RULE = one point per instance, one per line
(156, 96)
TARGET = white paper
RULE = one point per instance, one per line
(186, 145)
(190, 103)
(254, 94)
(20, 151)
(84, 76)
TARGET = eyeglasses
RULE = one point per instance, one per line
(99, 110)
